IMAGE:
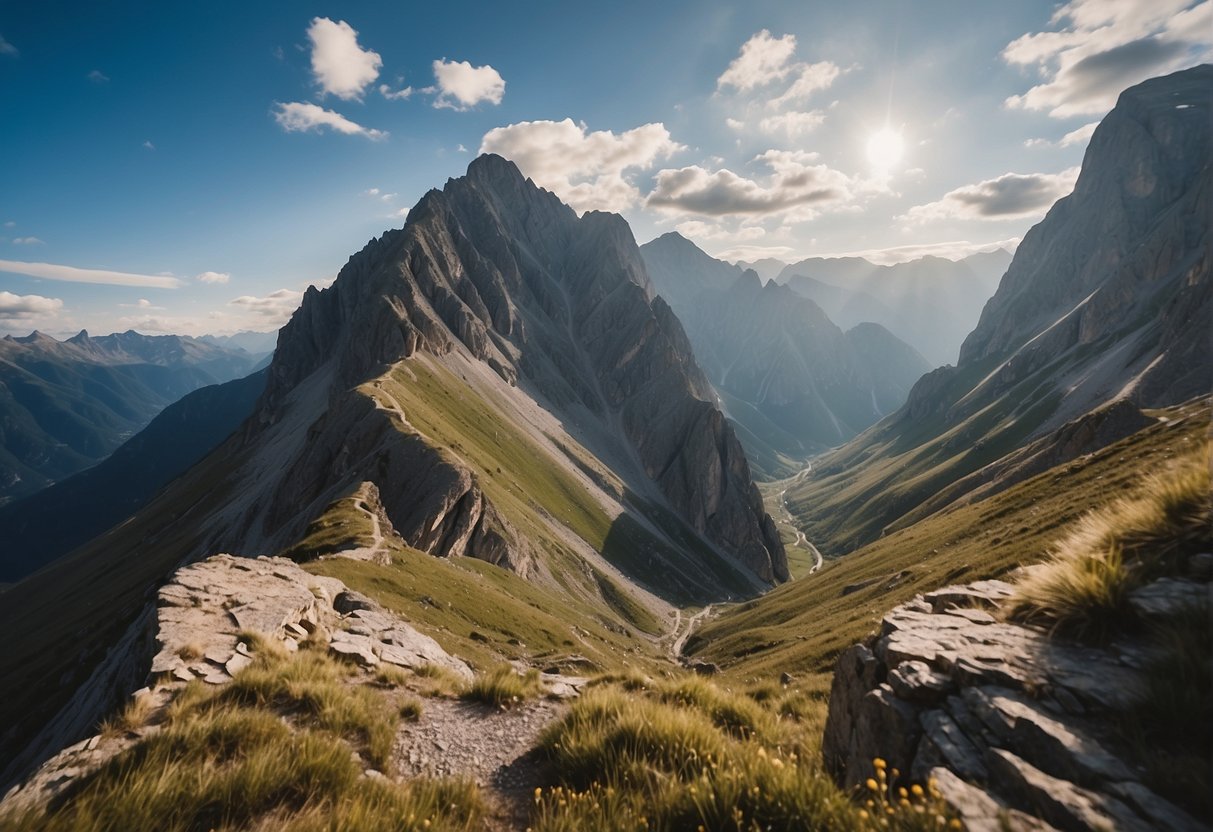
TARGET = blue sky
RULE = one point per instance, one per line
(200, 168)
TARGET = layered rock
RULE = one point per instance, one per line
(1014, 726)
(495, 268)
(198, 628)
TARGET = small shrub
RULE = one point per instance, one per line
(391, 676)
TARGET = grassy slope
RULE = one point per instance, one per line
(869, 483)
(62, 619)
(512, 469)
(802, 626)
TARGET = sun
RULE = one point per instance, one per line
(884, 149)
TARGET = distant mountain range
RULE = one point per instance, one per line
(791, 379)
(65, 405)
(1105, 310)
(931, 303)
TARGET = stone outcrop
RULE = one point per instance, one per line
(1011, 724)
(198, 628)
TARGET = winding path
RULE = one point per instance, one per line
(680, 639)
(801, 540)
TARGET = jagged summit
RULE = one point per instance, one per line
(495, 269)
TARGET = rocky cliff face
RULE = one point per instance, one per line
(1016, 728)
(560, 306)
(791, 378)
(1121, 267)
(1109, 298)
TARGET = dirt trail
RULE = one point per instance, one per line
(491, 746)
(680, 638)
(801, 540)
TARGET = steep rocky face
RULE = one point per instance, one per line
(1121, 266)
(931, 302)
(1109, 298)
(792, 379)
(1011, 724)
(561, 306)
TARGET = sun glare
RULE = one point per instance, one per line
(884, 149)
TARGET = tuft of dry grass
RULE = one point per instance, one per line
(691, 755)
(390, 676)
(1081, 590)
(436, 680)
(504, 687)
(270, 751)
(133, 716)
(411, 709)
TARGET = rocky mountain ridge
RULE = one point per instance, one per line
(793, 381)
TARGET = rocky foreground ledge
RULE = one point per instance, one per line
(197, 629)
(1012, 725)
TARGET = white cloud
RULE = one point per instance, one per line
(809, 79)
(28, 241)
(700, 230)
(148, 144)
(51, 271)
(1010, 196)
(793, 124)
(395, 95)
(1080, 136)
(213, 277)
(1100, 47)
(763, 59)
(735, 124)
(796, 187)
(142, 303)
(586, 169)
(461, 85)
(27, 307)
(7, 49)
(461, 149)
(340, 66)
(98, 77)
(272, 309)
(751, 253)
(300, 117)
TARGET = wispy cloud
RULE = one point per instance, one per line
(28, 241)
(275, 308)
(7, 49)
(98, 77)
(213, 277)
(301, 117)
(71, 274)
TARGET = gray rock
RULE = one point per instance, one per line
(915, 681)
(949, 745)
(1167, 597)
(978, 810)
(1161, 813)
(1059, 802)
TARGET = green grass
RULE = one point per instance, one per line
(449, 600)
(685, 755)
(272, 751)
(802, 627)
(344, 525)
(1082, 588)
(505, 687)
(532, 488)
